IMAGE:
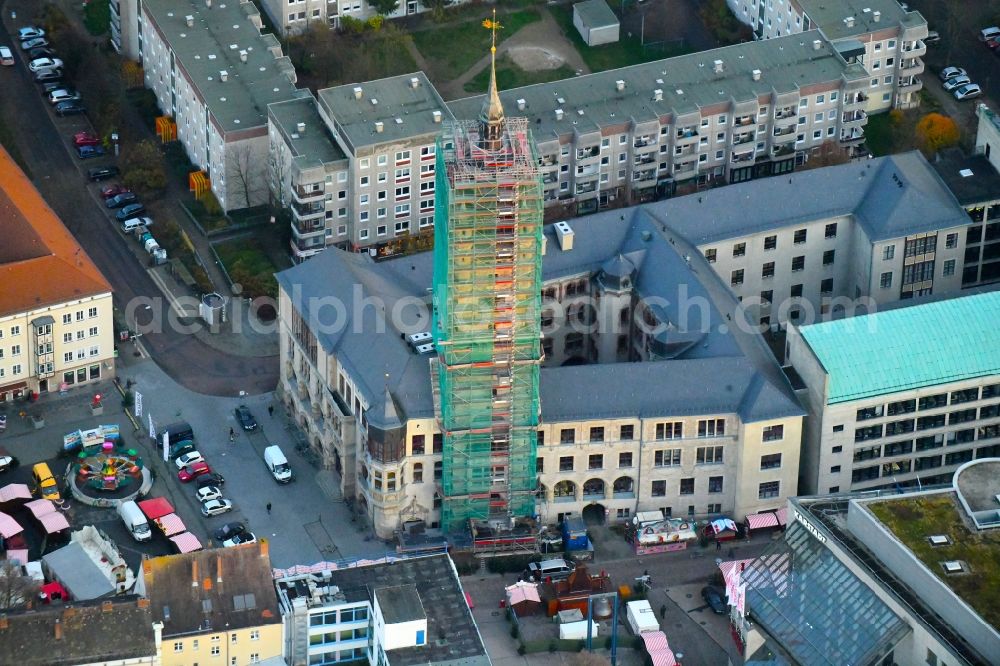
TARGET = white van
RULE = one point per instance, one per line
(277, 464)
(135, 521)
(557, 569)
(134, 223)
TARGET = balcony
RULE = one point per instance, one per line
(851, 99)
(643, 141)
(854, 117)
(644, 177)
(853, 135)
(689, 149)
(307, 228)
(911, 67)
(912, 84)
(784, 137)
(550, 178)
(305, 195)
(648, 158)
(685, 169)
(742, 158)
(743, 121)
(588, 153)
(915, 48)
(547, 161)
(586, 188)
(686, 134)
(741, 139)
(308, 211)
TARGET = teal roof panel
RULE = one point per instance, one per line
(908, 347)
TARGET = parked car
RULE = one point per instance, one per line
(241, 538)
(992, 43)
(967, 92)
(47, 75)
(120, 200)
(229, 530)
(714, 600)
(70, 108)
(956, 82)
(87, 152)
(188, 459)
(987, 34)
(6, 56)
(114, 190)
(34, 43)
(216, 507)
(208, 493)
(86, 139)
(140, 225)
(131, 210)
(52, 86)
(39, 64)
(29, 32)
(213, 479)
(195, 470)
(102, 173)
(951, 72)
(7, 460)
(180, 448)
(41, 52)
(246, 419)
(64, 95)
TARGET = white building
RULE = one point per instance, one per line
(293, 16)
(901, 397)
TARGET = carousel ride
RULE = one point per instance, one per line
(105, 468)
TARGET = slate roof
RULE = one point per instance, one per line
(41, 264)
(872, 355)
(90, 633)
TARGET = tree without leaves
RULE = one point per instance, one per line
(142, 168)
(245, 172)
(16, 589)
(936, 131)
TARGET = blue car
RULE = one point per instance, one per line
(86, 152)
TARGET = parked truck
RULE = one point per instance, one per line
(135, 521)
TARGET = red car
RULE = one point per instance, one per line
(86, 139)
(193, 471)
(113, 190)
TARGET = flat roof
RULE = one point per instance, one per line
(829, 15)
(72, 566)
(688, 83)
(871, 355)
(972, 180)
(596, 14)
(400, 603)
(312, 147)
(213, 44)
(404, 104)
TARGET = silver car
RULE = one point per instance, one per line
(216, 507)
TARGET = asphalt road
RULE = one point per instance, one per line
(44, 142)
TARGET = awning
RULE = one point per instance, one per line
(186, 542)
(658, 649)
(13, 491)
(54, 522)
(757, 521)
(782, 515)
(19, 555)
(41, 507)
(171, 524)
(8, 526)
(157, 507)
(16, 386)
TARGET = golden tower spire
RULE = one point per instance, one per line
(492, 116)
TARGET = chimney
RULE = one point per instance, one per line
(658, 95)
(755, 74)
(436, 115)
(223, 75)
(300, 128)
(521, 104)
(877, 16)
(619, 85)
(559, 114)
(379, 127)
(194, 573)
(264, 547)
(58, 630)
(358, 92)
(189, 20)
(717, 66)
(107, 606)
(414, 82)
(817, 45)
(218, 568)
(142, 602)
(243, 55)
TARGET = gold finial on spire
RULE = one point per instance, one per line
(492, 110)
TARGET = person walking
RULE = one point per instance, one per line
(269, 508)
(718, 545)
(232, 435)
(270, 411)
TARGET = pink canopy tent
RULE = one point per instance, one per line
(8, 526)
(156, 507)
(41, 507)
(19, 555)
(54, 522)
(186, 542)
(658, 649)
(171, 524)
(757, 521)
(15, 491)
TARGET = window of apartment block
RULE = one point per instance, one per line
(711, 428)
(828, 256)
(659, 488)
(626, 433)
(687, 487)
(739, 249)
(951, 241)
(965, 395)
(567, 436)
(710, 255)
(885, 280)
(767, 296)
(709, 455)
(667, 458)
(796, 291)
(768, 489)
(933, 401)
(928, 422)
(714, 508)
(770, 461)
(597, 434)
(770, 242)
(595, 461)
(566, 464)
(670, 430)
(737, 277)
(888, 252)
(826, 286)
(773, 433)
(625, 459)
(417, 445)
(800, 234)
(767, 270)
(949, 267)
(539, 465)
(438, 441)
(715, 484)
(798, 263)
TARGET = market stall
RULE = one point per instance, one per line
(156, 507)
(186, 542)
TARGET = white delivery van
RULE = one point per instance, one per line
(135, 521)
(277, 464)
(641, 617)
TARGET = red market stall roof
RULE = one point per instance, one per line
(13, 491)
(54, 590)
(8, 526)
(522, 591)
(54, 522)
(19, 555)
(41, 507)
(658, 649)
(156, 507)
(758, 521)
(171, 524)
(186, 542)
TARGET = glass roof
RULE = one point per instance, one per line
(815, 608)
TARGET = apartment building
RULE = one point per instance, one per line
(216, 606)
(652, 397)
(879, 34)
(830, 241)
(291, 17)
(900, 397)
(393, 612)
(214, 74)
(56, 322)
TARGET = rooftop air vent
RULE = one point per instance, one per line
(953, 567)
(421, 338)
(658, 95)
(559, 114)
(938, 540)
(718, 66)
(374, 102)
(189, 20)
(877, 16)
(414, 82)
(223, 75)
(817, 45)
(521, 104)
(619, 85)
(436, 115)
(849, 21)
(564, 234)
(300, 128)
(755, 74)
(379, 127)
(358, 92)
(243, 56)
(399, 121)
(426, 349)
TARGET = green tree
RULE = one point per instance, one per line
(143, 169)
(384, 7)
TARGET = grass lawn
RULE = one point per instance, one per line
(97, 16)
(627, 51)
(249, 265)
(880, 135)
(913, 520)
(509, 75)
(451, 50)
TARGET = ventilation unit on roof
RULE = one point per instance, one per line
(379, 127)
(564, 234)
(243, 56)
(208, 3)
(425, 349)
(414, 82)
(417, 339)
(436, 115)
(877, 16)
(559, 114)
(521, 104)
(939, 540)
(817, 45)
(619, 85)
(223, 75)
(358, 92)
(399, 121)
(189, 20)
(755, 74)
(849, 21)
(718, 66)
(374, 102)
(657, 95)
(953, 567)
(300, 128)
